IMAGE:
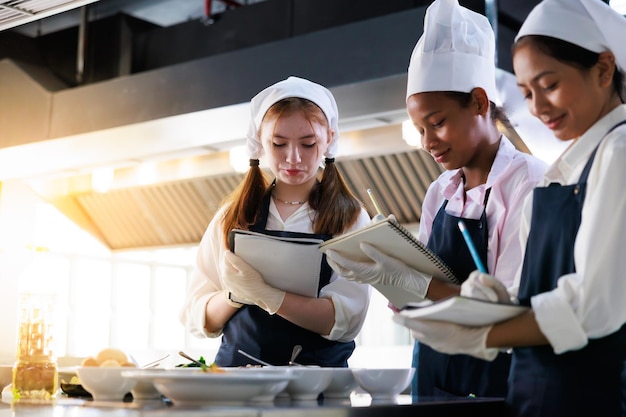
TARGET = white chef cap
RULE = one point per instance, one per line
(291, 87)
(590, 24)
(456, 52)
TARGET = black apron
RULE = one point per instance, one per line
(272, 338)
(440, 374)
(576, 383)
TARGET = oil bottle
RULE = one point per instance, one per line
(35, 373)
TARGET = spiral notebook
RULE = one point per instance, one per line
(392, 238)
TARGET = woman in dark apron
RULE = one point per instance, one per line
(270, 336)
(460, 375)
(294, 123)
(451, 92)
(569, 349)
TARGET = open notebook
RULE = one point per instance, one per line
(463, 310)
(291, 264)
(395, 240)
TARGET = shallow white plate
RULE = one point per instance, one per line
(193, 387)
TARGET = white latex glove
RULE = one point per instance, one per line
(485, 287)
(450, 338)
(247, 285)
(382, 269)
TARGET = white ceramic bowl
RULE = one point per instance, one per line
(145, 390)
(384, 383)
(308, 382)
(271, 388)
(342, 383)
(6, 375)
(105, 383)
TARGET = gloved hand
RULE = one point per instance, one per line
(382, 269)
(247, 285)
(450, 338)
(485, 287)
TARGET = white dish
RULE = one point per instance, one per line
(271, 389)
(342, 384)
(385, 383)
(194, 387)
(105, 383)
(308, 383)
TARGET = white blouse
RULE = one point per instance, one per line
(350, 299)
(513, 175)
(589, 303)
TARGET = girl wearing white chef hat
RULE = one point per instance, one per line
(570, 348)
(295, 124)
(451, 92)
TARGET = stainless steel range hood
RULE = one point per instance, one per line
(184, 118)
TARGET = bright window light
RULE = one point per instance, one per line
(410, 134)
(619, 6)
(239, 159)
(102, 179)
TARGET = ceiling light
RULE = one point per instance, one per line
(410, 134)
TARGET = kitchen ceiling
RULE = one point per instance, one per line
(19, 12)
(176, 75)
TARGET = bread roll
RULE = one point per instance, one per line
(111, 354)
(90, 361)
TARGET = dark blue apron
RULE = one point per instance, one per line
(439, 374)
(271, 337)
(577, 383)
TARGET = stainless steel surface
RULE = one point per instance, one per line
(294, 354)
(18, 12)
(154, 363)
(356, 406)
(194, 174)
(254, 358)
(197, 362)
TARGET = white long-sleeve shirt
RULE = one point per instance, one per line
(589, 303)
(512, 177)
(350, 299)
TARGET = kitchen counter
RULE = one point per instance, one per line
(359, 405)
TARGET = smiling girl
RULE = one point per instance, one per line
(451, 95)
(294, 123)
(570, 348)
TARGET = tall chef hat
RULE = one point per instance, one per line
(291, 87)
(590, 24)
(456, 52)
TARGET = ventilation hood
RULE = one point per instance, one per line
(181, 120)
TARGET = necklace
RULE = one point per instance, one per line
(291, 203)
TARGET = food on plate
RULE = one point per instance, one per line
(109, 357)
(213, 367)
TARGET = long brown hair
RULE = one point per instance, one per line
(336, 207)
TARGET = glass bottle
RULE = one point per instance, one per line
(35, 373)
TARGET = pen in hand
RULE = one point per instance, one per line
(471, 247)
(379, 212)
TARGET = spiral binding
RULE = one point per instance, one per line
(424, 249)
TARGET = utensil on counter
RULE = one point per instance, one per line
(154, 363)
(197, 362)
(294, 354)
(257, 360)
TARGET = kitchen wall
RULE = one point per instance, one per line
(127, 299)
